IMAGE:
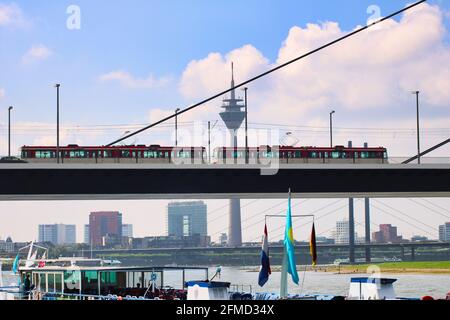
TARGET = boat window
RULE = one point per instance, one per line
(42, 282)
(72, 281)
(58, 282)
(51, 282)
(89, 282)
(152, 277)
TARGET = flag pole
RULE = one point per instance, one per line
(284, 282)
(284, 269)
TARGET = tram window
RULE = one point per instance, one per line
(45, 154)
(313, 155)
(385, 155)
(335, 154)
(325, 155)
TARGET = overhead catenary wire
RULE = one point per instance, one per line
(258, 214)
(431, 209)
(404, 214)
(271, 231)
(398, 218)
(283, 65)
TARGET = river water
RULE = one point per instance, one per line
(407, 285)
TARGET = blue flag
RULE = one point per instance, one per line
(15, 267)
(289, 245)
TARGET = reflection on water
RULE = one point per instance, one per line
(407, 285)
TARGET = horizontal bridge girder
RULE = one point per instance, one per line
(95, 182)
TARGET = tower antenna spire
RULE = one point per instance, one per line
(233, 94)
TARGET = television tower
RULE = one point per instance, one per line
(233, 116)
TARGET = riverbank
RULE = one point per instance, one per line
(435, 267)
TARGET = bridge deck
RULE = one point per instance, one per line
(82, 182)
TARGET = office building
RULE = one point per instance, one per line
(102, 224)
(127, 230)
(444, 232)
(387, 234)
(341, 234)
(187, 219)
(7, 246)
(57, 234)
(87, 234)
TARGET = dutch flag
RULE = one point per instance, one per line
(265, 261)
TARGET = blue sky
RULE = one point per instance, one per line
(161, 39)
(144, 37)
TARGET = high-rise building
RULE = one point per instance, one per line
(58, 234)
(102, 224)
(387, 234)
(187, 219)
(127, 230)
(223, 239)
(87, 234)
(444, 232)
(342, 232)
(233, 116)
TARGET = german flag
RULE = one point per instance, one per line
(313, 246)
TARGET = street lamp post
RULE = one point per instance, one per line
(246, 126)
(418, 125)
(331, 128)
(209, 139)
(57, 121)
(176, 126)
(9, 131)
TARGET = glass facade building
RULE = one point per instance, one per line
(187, 219)
(58, 234)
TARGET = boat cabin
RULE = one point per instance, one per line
(372, 288)
(84, 279)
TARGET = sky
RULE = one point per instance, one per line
(124, 64)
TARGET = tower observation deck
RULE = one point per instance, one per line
(233, 116)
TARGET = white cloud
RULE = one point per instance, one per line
(11, 15)
(2, 93)
(129, 81)
(371, 72)
(36, 53)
